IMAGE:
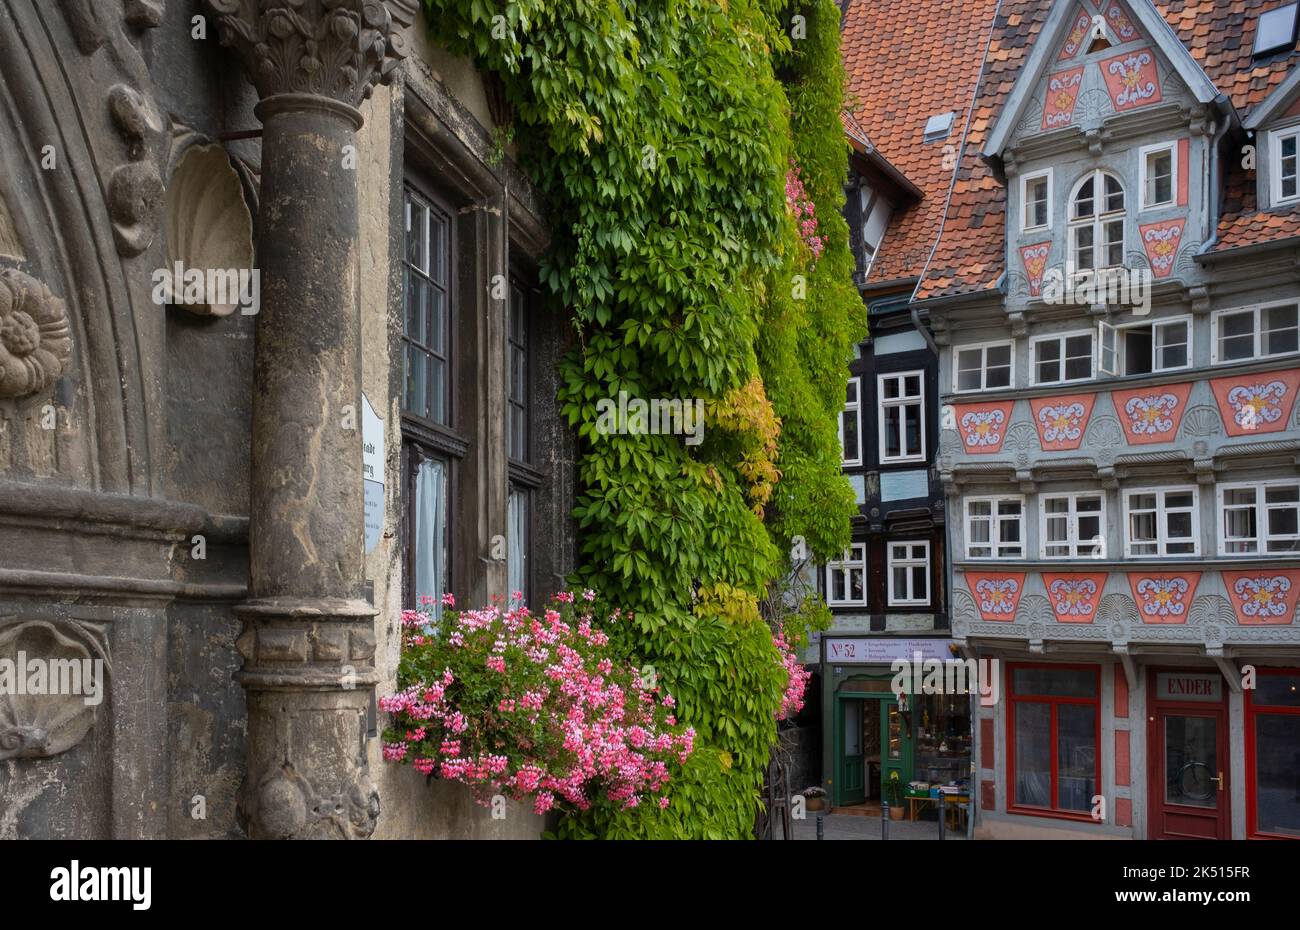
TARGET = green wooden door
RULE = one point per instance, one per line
(851, 781)
(896, 751)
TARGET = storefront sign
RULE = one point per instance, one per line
(842, 650)
(1184, 686)
(372, 471)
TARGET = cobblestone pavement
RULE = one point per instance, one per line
(858, 827)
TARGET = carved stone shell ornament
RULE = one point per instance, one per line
(208, 223)
(35, 339)
(53, 720)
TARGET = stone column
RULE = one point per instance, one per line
(308, 642)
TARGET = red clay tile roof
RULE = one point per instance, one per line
(1241, 224)
(908, 60)
(1219, 35)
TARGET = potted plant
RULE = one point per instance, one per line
(894, 796)
(814, 798)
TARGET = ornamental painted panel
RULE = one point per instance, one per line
(1074, 596)
(983, 427)
(1078, 32)
(1119, 23)
(997, 594)
(1131, 79)
(1062, 94)
(1258, 403)
(1263, 596)
(1151, 414)
(1062, 421)
(1160, 241)
(1035, 259)
(1163, 597)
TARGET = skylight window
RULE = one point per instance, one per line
(938, 126)
(1276, 30)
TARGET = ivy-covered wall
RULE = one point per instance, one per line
(670, 139)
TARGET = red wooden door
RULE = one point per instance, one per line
(1187, 755)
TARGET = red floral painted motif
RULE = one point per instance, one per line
(1074, 595)
(1035, 259)
(983, 427)
(1160, 241)
(1061, 421)
(1151, 414)
(1119, 23)
(1074, 41)
(1163, 597)
(1062, 93)
(1259, 403)
(1263, 596)
(997, 594)
(1131, 79)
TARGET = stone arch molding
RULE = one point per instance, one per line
(83, 148)
(40, 725)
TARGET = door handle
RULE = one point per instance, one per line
(1218, 781)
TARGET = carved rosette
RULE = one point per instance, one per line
(35, 339)
(338, 49)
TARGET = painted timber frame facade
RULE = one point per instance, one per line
(1123, 513)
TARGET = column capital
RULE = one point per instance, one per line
(337, 49)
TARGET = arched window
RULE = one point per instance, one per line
(1097, 222)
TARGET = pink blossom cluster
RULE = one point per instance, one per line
(796, 677)
(805, 212)
(512, 703)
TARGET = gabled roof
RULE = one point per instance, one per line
(1059, 22)
(1219, 34)
(905, 61)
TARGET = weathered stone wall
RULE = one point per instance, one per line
(124, 527)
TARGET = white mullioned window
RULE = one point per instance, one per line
(1284, 165)
(1259, 518)
(846, 579)
(851, 424)
(995, 527)
(1072, 526)
(908, 571)
(1158, 174)
(1097, 218)
(1263, 331)
(983, 367)
(1062, 358)
(1161, 522)
(902, 416)
(1036, 200)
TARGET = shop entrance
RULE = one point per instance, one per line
(872, 739)
(1187, 755)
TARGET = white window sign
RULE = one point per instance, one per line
(372, 471)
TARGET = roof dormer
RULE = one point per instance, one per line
(1092, 65)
